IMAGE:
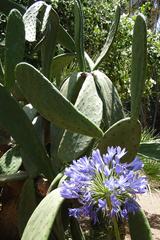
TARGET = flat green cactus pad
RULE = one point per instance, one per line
(125, 133)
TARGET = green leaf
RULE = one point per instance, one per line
(73, 145)
(139, 53)
(150, 149)
(112, 106)
(49, 44)
(76, 230)
(19, 176)
(59, 63)
(65, 39)
(38, 124)
(7, 5)
(46, 18)
(79, 41)
(30, 111)
(15, 44)
(55, 136)
(139, 226)
(89, 61)
(27, 204)
(14, 119)
(110, 39)
(125, 133)
(55, 182)
(40, 224)
(72, 86)
(30, 20)
(11, 161)
(51, 103)
(58, 229)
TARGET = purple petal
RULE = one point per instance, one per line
(97, 160)
(102, 203)
(107, 171)
(135, 165)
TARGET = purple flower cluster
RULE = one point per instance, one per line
(103, 183)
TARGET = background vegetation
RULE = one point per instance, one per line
(98, 16)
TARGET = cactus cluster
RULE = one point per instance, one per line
(73, 115)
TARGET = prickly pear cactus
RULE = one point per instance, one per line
(112, 105)
(15, 47)
(85, 111)
(30, 20)
(96, 97)
(99, 99)
(89, 103)
(127, 133)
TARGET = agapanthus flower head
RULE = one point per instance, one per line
(103, 183)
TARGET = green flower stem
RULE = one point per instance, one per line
(116, 229)
(114, 220)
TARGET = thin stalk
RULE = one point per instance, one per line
(116, 229)
(114, 220)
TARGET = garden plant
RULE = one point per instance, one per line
(51, 121)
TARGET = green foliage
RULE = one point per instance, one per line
(40, 224)
(26, 204)
(51, 104)
(150, 149)
(59, 63)
(79, 34)
(73, 145)
(49, 44)
(130, 132)
(71, 114)
(76, 230)
(139, 62)
(140, 222)
(18, 176)
(14, 46)
(110, 38)
(149, 153)
(11, 161)
(127, 132)
(148, 135)
(35, 158)
(98, 16)
(118, 63)
(151, 168)
(113, 109)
